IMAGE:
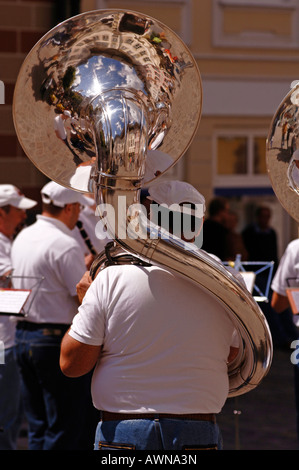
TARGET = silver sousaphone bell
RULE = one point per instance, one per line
(105, 103)
(283, 154)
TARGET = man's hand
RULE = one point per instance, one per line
(83, 285)
(279, 302)
(89, 259)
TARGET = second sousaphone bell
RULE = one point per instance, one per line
(283, 152)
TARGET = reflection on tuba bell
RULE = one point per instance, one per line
(283, 154)
(104, 103)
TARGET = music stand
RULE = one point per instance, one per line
(13, 301)
(262, 266)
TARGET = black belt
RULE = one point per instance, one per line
(31, 326)
(107, 416)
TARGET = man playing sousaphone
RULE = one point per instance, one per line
(160, 348)
(139, 87)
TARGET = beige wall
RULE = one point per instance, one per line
(232, 45)
(22, 24)
(254, 48)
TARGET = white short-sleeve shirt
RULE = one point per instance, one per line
(288, 269)
(165, 342)
(47, 250)
(287, 274)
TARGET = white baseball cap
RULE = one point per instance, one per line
(10, 195)
(156, 162)
(54, 193)
(175, 192)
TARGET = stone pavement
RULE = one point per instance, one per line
(266, 416)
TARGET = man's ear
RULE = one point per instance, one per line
(67, 208)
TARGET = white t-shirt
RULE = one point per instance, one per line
(288, 268)
(165, 342)
(7, 325)
(48, 250)
(5, 252)
(287, 272)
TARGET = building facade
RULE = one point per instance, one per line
(247, 53)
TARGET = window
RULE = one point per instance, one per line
(232, 155)
(240, 159)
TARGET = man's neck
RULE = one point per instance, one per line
(61, 217)
(5, 232)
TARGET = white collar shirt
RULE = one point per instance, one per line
(47, 255)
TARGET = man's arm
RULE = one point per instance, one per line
(77, 358)
(279, 302)
(5, 280)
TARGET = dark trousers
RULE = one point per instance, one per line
(58, 409)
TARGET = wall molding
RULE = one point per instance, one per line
(255, 39)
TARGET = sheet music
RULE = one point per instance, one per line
(249, 279)
(13, 300)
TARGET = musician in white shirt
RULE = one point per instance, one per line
(13, 206)
(47, 250)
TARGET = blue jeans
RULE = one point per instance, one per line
(59, 410)
(157, 434)
(10, 402)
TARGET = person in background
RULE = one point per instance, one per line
(168, 195)
(287, 275)
(56, 407)
(260, 238)
(214, 228)
(13, 207)
(90, 233)
(235, 244)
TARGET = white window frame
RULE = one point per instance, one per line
(250, 179)
(257, 40)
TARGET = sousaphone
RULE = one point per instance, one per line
(105, 103)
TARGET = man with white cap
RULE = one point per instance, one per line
(60, 122)
(287, 276)
(13, 206)
(181, 198)
(46, 250)
(175, 192)
(160, 347)
(90, 233)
